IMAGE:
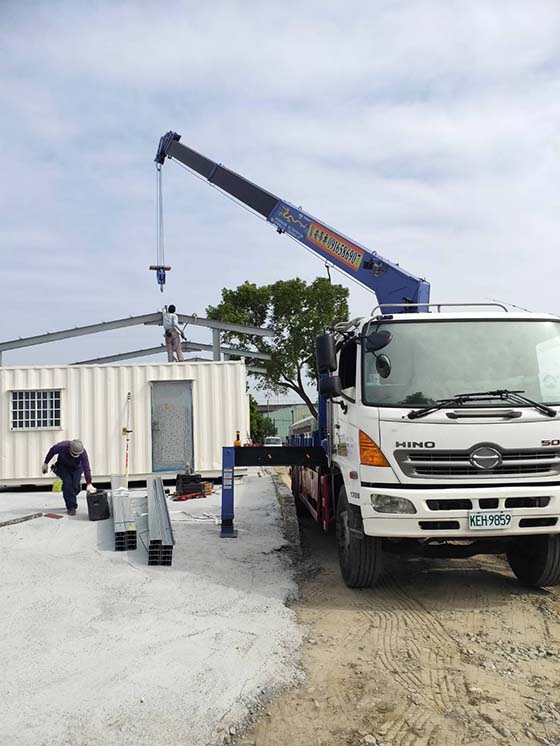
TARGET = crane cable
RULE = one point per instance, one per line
(159, 207)
(159, 267)
(261, 217)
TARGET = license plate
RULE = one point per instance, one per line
(486, 520)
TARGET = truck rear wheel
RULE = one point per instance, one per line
(535, 560)
(295, 482)
(360, 556)
(301, 511)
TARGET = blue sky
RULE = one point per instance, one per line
(428, 131)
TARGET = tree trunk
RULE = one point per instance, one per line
(304, 396)
(300, 391)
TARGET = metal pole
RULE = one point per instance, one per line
(127, 432)
(228, 469)
(216, 354)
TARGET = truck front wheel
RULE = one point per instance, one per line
(360, 556)
(535, 560)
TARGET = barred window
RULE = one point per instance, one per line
(35, 410)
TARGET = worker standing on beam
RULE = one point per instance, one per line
(71, 462)
(173, 335)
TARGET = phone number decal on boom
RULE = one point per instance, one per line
(317, 236)
(333, 244)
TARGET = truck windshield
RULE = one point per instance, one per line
(430, 360)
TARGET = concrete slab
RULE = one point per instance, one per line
(99, 648)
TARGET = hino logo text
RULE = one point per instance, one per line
(415, 444)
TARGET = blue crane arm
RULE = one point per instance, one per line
(390, 283)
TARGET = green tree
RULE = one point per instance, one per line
(296, 311)
(261, 425)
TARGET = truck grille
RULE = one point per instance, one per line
(487, 503)
(542, 462)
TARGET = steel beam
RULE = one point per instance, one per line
(187, 347)
(79, 331)
(160, 549)
(284, 456)
(123, 520)
(237, 352)
(225, 326)
(147, 319)
(216, 352)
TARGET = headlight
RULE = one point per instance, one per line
(390, 504)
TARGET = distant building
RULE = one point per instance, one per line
(284, 415)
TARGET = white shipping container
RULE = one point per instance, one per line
(180, 413)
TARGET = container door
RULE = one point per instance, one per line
(172, 436)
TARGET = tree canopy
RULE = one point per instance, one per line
(261, 425)
(297, 312)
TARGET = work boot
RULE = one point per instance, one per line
(71, 511)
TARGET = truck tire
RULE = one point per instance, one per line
(301, 510)
(295, 483)
(535, 560)
(360, 556)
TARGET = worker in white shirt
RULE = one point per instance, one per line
(173, 334)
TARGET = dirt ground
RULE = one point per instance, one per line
(441, 652)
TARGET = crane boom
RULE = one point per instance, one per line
(390, 283)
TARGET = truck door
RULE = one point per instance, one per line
(345, 435)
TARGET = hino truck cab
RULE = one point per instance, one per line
(444, 439)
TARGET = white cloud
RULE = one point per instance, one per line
(427, 131)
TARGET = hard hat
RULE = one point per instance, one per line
(76, 448)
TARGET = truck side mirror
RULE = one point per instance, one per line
(325, 352)
(330, 387)
(376, 341)
(383, 365)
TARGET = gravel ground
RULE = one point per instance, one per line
(98, 648)
(441, 653)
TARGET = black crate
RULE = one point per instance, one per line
(192, 481)
(98, 506)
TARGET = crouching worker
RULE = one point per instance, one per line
(71, 462)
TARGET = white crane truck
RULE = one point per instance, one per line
(440, 423)
(444, 439)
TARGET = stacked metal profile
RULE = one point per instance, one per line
(160, 548)
(123, 520)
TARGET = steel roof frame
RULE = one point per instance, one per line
(146, 319)
(187, 347)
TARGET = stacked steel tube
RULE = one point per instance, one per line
(123, 520)
(161, 539)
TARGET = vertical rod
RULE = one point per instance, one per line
(216, 341)
(127, 437)
(228, 469)
(322, 416)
